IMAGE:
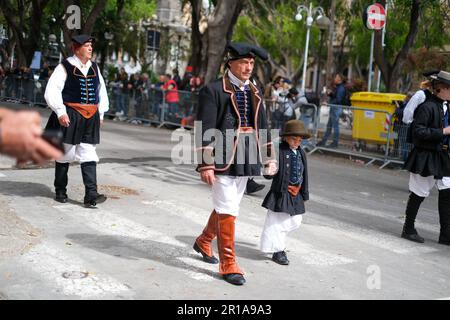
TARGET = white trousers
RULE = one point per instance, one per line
(423, 185)
(276, 228)
(82, 152)
(227, 193)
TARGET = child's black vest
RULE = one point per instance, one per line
(78, 88)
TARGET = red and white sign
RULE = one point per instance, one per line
(376, 17)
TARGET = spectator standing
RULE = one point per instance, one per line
(172, 98)
(336, 96)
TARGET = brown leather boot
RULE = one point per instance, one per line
(203, 243)
(225, 242)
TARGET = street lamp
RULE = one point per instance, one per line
(311, 13)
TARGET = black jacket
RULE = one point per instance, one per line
(218, 110)
(428, 157)
(279, 199)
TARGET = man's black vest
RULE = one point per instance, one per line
(78, 88)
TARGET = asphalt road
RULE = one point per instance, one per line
(138, 244)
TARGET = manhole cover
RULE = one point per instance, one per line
(75, 275)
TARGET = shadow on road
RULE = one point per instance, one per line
(133, 249)
(25, 189)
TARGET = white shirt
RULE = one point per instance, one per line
(408, 114)
(55, 86)
(237, 82)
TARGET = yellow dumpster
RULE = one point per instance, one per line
(372, 125)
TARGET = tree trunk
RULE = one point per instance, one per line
(21, 22)
(391, 73)
(330, 53)
(220, 30)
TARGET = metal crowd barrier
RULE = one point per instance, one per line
(363, 133)
(151, 106)
(23, 90)
(307, 112)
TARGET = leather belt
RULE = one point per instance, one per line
(245, 130)
(86, 110)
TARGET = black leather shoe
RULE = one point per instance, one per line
(90, 203)
(206, 258)
(280, 257)
(61, 197)
(234, 278)
(253, 187)
(444, 239)
(413, 237)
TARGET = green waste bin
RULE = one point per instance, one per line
(372, 125)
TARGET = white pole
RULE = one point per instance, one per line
(60, 46)
(305, 63)
(12, 57)
(383, 45)
(369, 85)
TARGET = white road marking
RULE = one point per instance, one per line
(51, 263)
(381, 214)
(378, 239)
(110, 223)
(251, 233)
(2, 175)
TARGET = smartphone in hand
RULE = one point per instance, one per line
(55, 138)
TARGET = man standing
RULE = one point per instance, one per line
(337, 97)
(429, 160)
(232, 108)
(76, 92)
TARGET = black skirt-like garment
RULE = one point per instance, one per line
(284, 202)
(428, 163)
(80, 130)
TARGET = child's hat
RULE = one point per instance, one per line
(295, 128)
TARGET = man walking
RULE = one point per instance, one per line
(232, 107)
(76, 92)
(429, 160)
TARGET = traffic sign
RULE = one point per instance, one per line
(374, 17)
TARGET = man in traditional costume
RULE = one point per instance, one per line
(76, 92)
(232, 109)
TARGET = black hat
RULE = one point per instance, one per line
(82, 38)
(442, 76)
(429, 73)
(239, 50)
(295, 128)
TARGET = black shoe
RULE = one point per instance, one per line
(413, 237)
(444, 238)
(92, 202)
(280, 257)
(61, 197)
(234, 278)
(206, 258)
(253, 186)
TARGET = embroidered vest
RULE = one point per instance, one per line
(81, 89)
(296, 172)
(244, 104)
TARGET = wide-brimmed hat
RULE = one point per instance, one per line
(442, 76)
(295, 128)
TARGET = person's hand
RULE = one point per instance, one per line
(101, 123)
(208, 176)
(447, 130)
(64, 120)
(270, 169)
(21, 138)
